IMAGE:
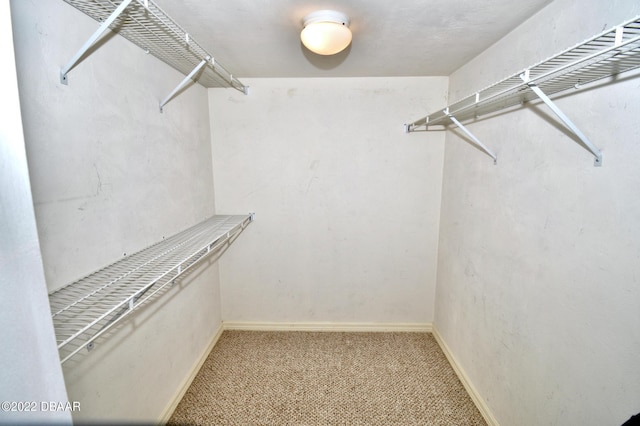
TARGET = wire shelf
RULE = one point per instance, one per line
(146, 25)
(85, 309)
(610, 53)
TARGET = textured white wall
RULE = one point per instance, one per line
(29, 357)
(347, 205)
(111, 175)
(539, 256)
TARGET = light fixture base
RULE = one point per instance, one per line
(326, 16)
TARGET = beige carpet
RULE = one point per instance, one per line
(308, 378)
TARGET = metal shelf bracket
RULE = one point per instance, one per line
(184, 82)
(91, 41)
(473, 138)
(563, 117)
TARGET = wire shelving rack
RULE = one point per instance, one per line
(85, 309)
(143, 23)
(607, 54)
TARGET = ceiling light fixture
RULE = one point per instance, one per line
(326, 32)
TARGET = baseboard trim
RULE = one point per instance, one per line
(327, 326)
(466, 382)
(182, 390)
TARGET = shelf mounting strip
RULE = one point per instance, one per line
(85, 309)
(607, 54)
(143, 23)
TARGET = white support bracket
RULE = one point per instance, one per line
(91, 41)
(597, 162)
(184, 82)
(473, 138)
(408, 128)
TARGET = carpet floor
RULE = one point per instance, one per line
(318, 378)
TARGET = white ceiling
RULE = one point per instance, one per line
(260, 38)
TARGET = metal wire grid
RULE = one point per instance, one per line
(592, 60)
(85, 309)
(146, 25)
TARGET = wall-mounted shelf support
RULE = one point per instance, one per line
(471, 135)
(597, 162)
(144, 24)
(184, 82)
(607, 54)
(92, 40)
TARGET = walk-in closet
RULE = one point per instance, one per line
(205, 218)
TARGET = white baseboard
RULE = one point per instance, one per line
(327, 326)
(466, 382)
(168, 412)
